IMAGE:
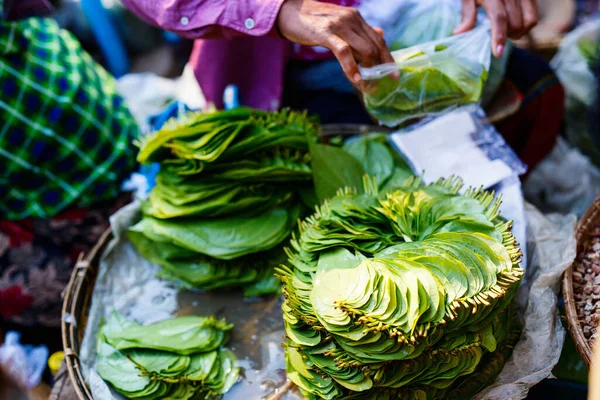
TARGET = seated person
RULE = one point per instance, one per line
(65, 146)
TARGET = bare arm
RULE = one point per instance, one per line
(307, 22)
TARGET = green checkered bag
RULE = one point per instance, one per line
(65, 134)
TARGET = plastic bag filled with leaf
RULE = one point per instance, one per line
(429, 78)
(404, 293)
(416, 22)
(574, 64)
(181, 358)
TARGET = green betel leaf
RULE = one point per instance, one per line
(374, 155)
(183, 335)
(114, 367)
(223, 238)
(334, 169)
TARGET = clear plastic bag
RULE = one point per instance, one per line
(573, 66)
(422, 21)
(433, 77)
(414, 22)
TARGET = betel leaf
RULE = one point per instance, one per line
(183, 335)
(380, 160)
(374, 156)
(223, 238)
(334, 169)
(113, 366)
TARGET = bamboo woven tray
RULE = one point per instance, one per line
(76, 304)
(588, 222)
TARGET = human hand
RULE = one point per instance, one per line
(340, 29)
(510, 18)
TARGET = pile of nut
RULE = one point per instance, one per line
(586, 286)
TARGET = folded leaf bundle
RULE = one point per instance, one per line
(401, 294)
(182, 358)
(226, 195)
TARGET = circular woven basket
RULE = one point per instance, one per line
(588, 222)
(76, 304)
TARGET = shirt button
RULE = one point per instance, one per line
(249, 23)
(184, 21)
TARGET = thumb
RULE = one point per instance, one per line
(469, 17)
(379, 31)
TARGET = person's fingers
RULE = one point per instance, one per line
(385, 56)
(363, 49)
(469, 16)
(515, 19)
(343, 52)
(497, 14)
(530, 14)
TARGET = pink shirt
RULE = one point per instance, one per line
(237, 44)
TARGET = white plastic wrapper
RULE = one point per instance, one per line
(429, 78)
(25, 364)
(147, 94)
(552, 246)
(580, 84)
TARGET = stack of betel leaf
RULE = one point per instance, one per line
(182, 358)
(227, 195)
(401, 295)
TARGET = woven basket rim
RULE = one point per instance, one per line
(76, 301)
(589, 221)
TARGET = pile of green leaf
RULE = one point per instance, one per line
(405, 294)
(227, 195)
(426, 83)
(182, 358)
